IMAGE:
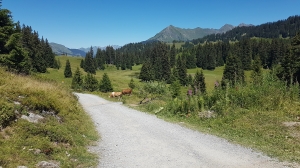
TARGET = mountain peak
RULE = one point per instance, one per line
(226, 28)
(244, 24)
(172, 33)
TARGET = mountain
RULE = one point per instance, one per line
(172, 33)
(60, 49)
(244, 24)
(77, 52)
(286, 28)
(96, 47)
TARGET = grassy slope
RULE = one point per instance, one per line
(257, 128)
(55, 138)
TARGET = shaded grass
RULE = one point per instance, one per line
(67, 130)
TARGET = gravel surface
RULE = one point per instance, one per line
(130, 138)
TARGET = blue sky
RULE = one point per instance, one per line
(78, 23)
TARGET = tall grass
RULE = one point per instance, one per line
(65, 129)
(252, 115)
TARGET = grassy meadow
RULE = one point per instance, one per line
(61, 136)
(262, 116)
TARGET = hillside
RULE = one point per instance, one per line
(278, 29)
(172, 33)
(60, 49)
(41, 120)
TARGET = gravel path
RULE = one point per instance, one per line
(130, 138)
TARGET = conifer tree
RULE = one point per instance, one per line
(174, 75)
(77, 80)
(181, 70)
(189, 79)
(17, 60)
(90, 82)
(146, 73)
(175, 88)
(199, 56)
(256, 73)
(105, 84)
(246, 54)
(295, 49)
(82, 64)
(131, 84)
(166, 67)
(172, 56)
(233, 72)
(199, 82)
(211, 57)
(68, 71)
(89, 62)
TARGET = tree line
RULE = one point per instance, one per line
(21, 49)
(280, 29)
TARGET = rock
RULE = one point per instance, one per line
(34, 118)
(22, 167)
(291, 124)
(45, 164)
(17, 103)
(37, 151)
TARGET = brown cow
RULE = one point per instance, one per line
(126, 91)
(116, 94)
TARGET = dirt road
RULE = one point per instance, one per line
(130, 138)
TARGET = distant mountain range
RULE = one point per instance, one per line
(172, 33)
(60, 49)
(168, 34)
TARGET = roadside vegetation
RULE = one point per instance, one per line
(62, 135)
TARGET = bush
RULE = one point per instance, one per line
(7, 114)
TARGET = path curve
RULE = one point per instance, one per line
(130, 138)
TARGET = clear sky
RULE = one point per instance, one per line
(79, 23)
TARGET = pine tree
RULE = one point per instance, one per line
(17, 60)
(131, 84)
(233, 72)
(256, 73)
(211, 57)
(82, 64)
(77, 80)
(190, 59)
(181, 70)
(89, 62)
(199, 56)
(246, 54)
(68, 71)
(295, 49)
(90, 82)
(189, 79)
(146, 73)
(105, 84)
(172, 56)
(175, 88)
(166, 67)
(291, 62)
(199, 82)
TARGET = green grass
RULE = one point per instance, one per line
(247, 116)
(70, 130)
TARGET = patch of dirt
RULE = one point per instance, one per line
(6, 132)
(291, 124)
(293, 129)
(133, 105)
